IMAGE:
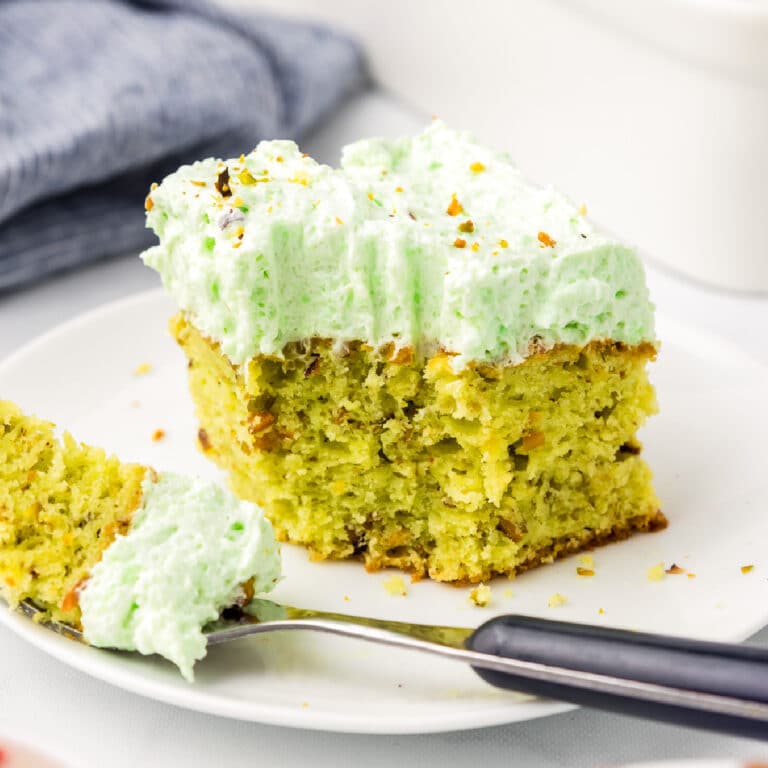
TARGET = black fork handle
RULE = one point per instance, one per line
(736, 672)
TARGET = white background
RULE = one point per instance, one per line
(88, 723)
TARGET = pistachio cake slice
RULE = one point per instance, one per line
(419, 358)
(135, 559)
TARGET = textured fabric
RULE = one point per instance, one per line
(99, 97)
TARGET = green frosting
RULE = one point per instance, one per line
(191, 547)
(434, 240)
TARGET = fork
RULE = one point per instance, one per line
(714, 686)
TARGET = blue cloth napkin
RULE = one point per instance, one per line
(98, 98)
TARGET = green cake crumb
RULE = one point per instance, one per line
(395, 586)
(480, 595)
(556, 600)
(656, 572)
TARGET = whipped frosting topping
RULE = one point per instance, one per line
(430, 241)
(190, 548)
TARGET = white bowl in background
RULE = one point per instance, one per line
(655, 114)
(718, 763)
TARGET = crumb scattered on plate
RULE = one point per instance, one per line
(556, 600)
(396, 586)
(480, 595)
(158, 435)
(584, 571)
(587, 561)
(674, 569)
(690, 575)
(508, 593)
(601, 611)
(143, 369)
(747, 568)
(656, 572)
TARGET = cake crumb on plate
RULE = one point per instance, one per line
(656, 572)
(480, 595)
(396, 586)
(556, 600)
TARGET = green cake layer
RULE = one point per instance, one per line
(403, 461)
(61, 505)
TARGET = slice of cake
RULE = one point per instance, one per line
(419, 359)
(137, 560)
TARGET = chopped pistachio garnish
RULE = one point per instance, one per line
(222, 183)
(546, 241)
(454, 207)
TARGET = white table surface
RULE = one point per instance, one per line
(91, 724)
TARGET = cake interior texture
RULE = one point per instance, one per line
(403, 461)
(61, 505)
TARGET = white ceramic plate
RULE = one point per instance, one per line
(708, 449)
